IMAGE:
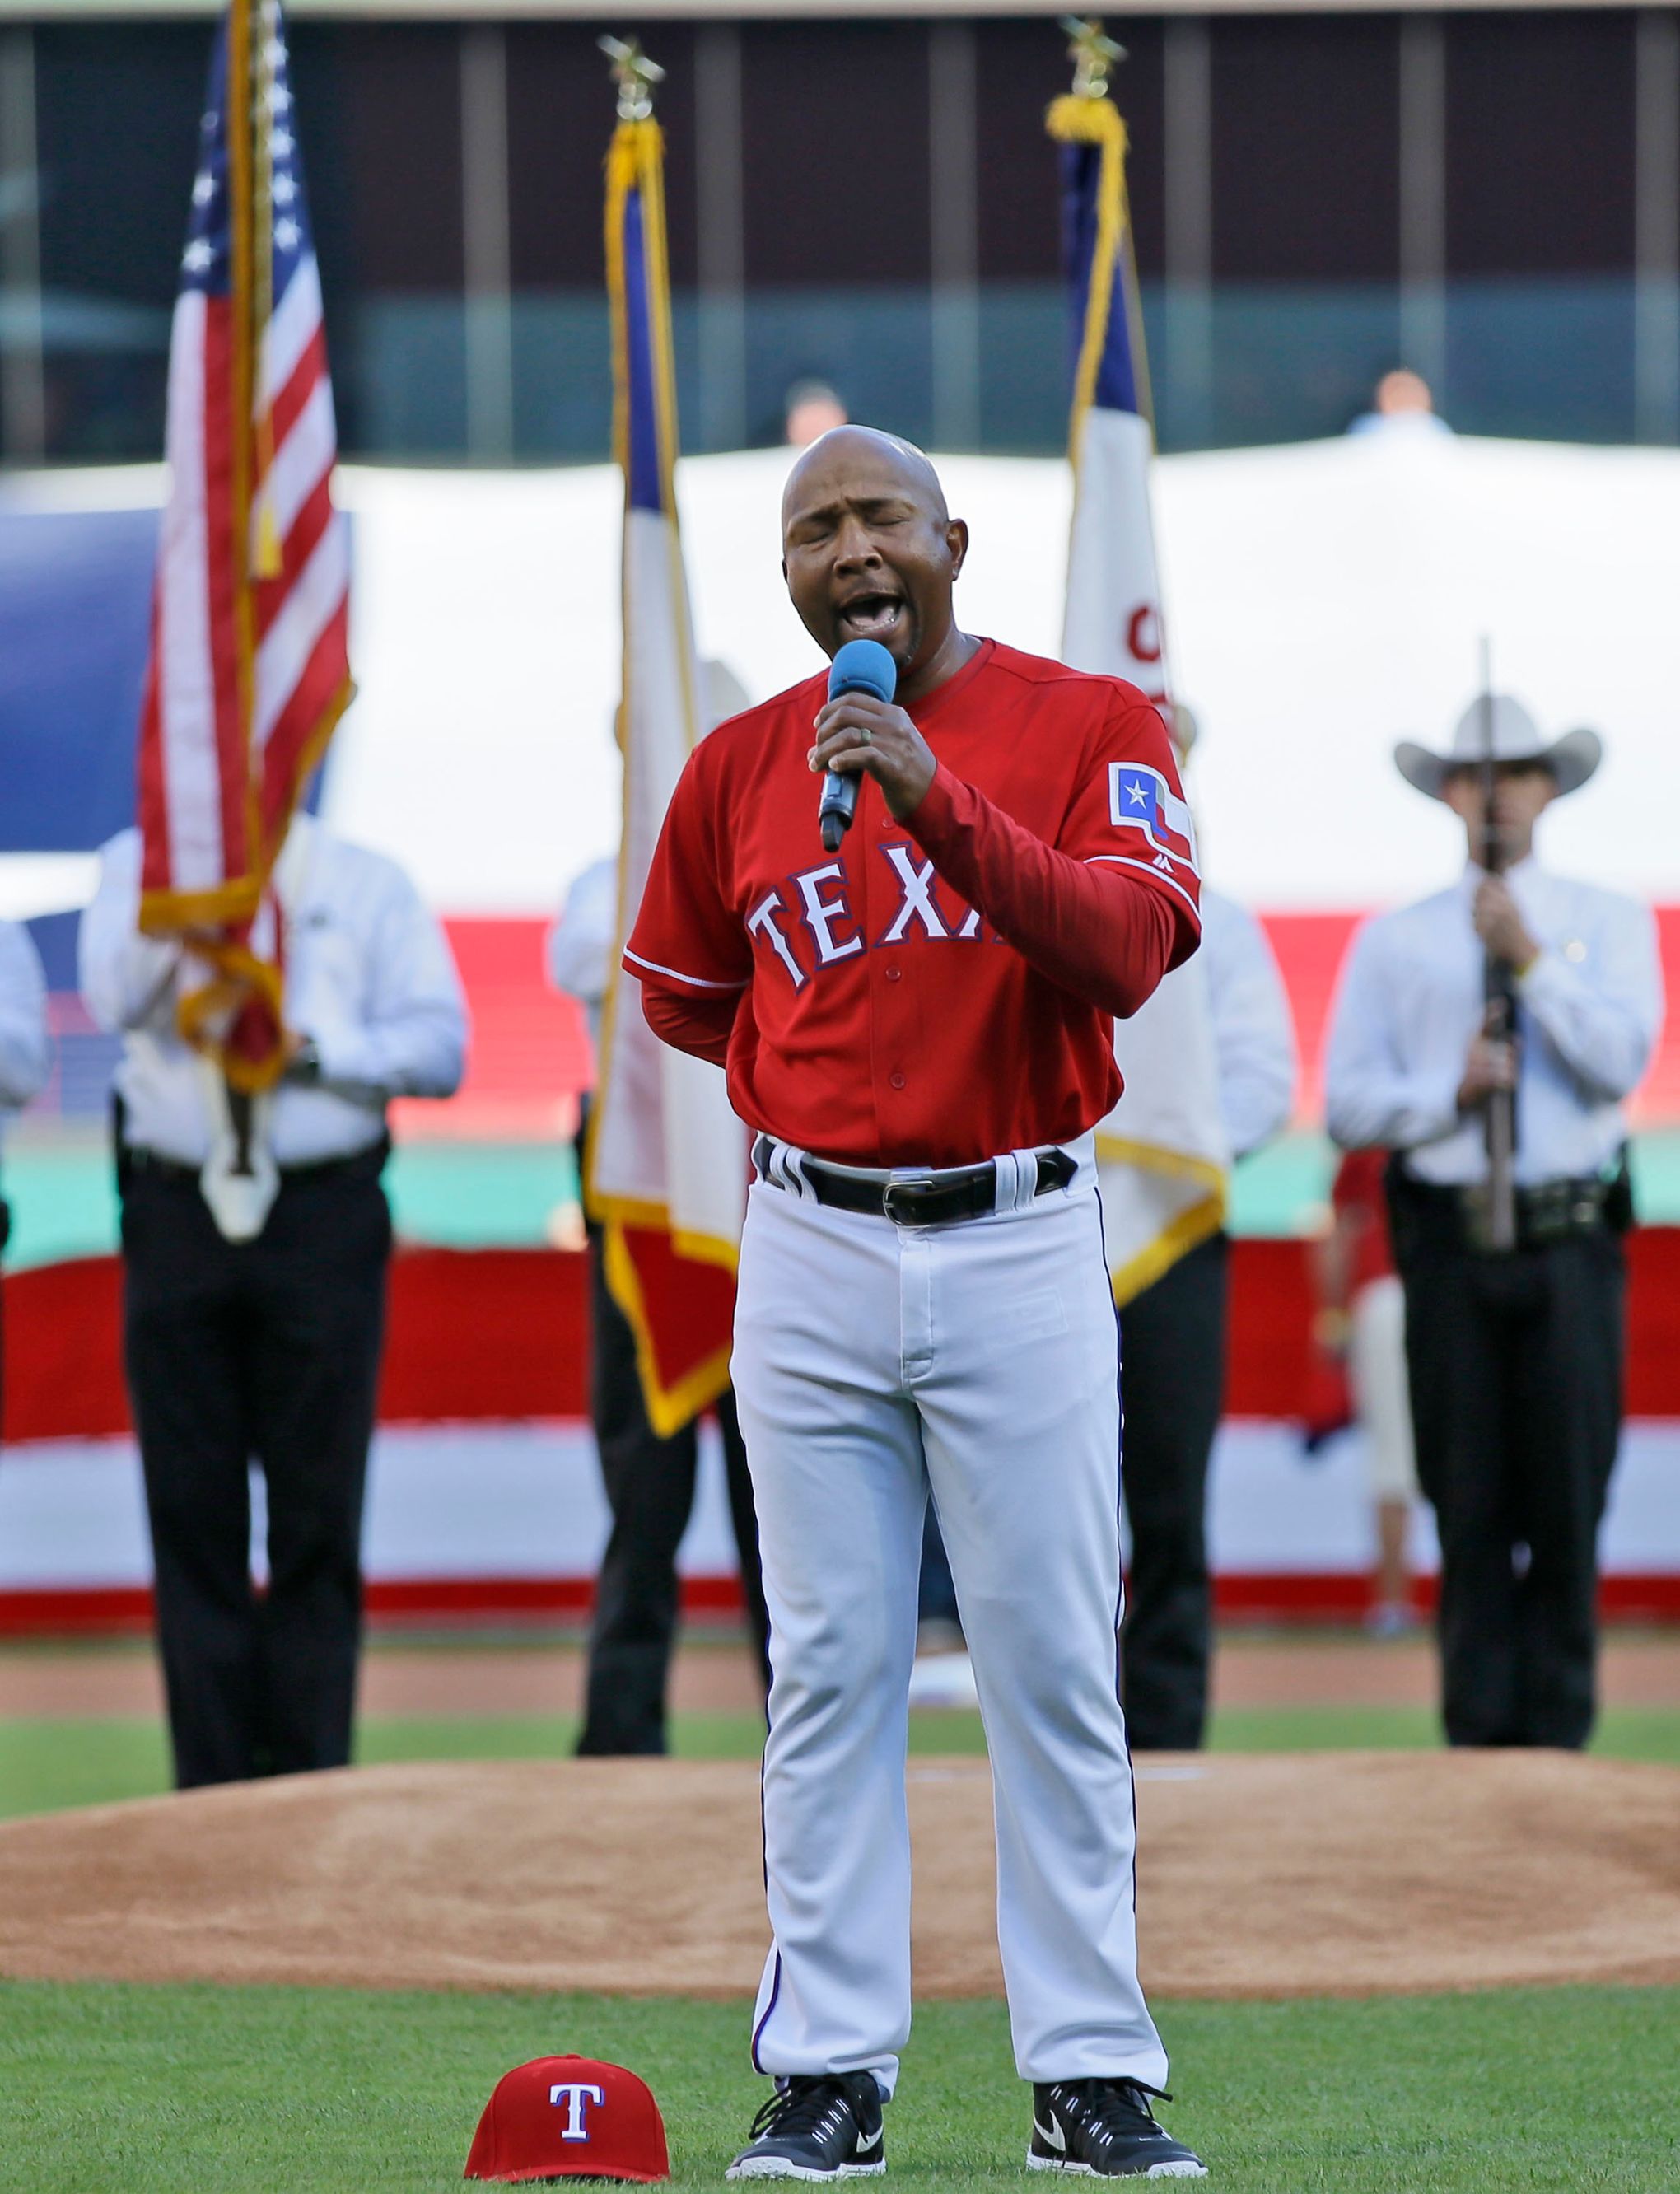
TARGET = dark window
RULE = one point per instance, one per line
(116, 123)
(1020, 67)
(561, 112)
(1306, 136)
(1539, 144)
(835, 156)
(401, 94)
(325, 118)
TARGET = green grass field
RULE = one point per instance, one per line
(47, 1764)
(208, 2091)
(262, 2091)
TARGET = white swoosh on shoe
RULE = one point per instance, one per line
(1053, 2136)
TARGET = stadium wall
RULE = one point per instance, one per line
(484, 1503)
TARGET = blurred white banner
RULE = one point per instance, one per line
(1326, 598)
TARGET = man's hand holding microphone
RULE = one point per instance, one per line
(860, 729)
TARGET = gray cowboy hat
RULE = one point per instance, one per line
(1571, 759)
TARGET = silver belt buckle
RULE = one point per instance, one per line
(911, 1185)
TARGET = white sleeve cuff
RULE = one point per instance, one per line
(1548, 980)
(342, 1054)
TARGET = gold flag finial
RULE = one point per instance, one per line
(634, 74)
(1093, 53)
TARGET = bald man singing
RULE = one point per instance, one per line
(917, 1030)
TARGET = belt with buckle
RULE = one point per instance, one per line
(929, 1197)
(1546, 1211)
(1553, 1210)
(138, 1158)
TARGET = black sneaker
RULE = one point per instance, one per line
(1105, 2128)
(825, 2127)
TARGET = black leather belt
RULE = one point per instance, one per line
(1546, 1211)
(933, 1198)
(136, 1159)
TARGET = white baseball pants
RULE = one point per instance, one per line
(1377, 1376)
(874, 1362)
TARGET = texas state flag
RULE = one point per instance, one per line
(1142, 797)
(1163, 1152)
(665, 1171)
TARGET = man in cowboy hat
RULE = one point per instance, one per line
(1515, 1357)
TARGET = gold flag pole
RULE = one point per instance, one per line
(265, 549)
(634, 74)
(1087, 115)
(1094, 55)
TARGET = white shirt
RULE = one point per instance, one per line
(368, 981)
(1253, 1032)
(24, 1053)
(580, 944)
(1410, 1003)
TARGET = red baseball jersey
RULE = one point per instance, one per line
(942, 988)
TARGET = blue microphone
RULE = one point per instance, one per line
(862, 666)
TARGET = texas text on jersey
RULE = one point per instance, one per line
(855, 996)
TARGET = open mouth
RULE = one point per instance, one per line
(873, 617)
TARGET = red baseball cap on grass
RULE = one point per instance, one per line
(569, 2118)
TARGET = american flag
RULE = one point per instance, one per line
(250, 667)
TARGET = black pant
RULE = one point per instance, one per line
(1516, 1371)
(1172, 1385)
(650, 1488)
(269, 1351)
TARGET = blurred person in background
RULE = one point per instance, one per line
(1173, 1345)
(1359, 1333)
(1402, 401)
(254, 1301)
(648, 1481)
(25, 1051)
(1515, 1356)
(810, 409)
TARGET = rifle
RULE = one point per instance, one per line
(1499, 990)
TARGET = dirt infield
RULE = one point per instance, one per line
(710, 1675)
(1270, 1875)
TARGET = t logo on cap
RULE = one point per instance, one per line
(562, 2117)
(573, 2093)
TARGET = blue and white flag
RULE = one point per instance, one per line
(1163, 1156)
(1112, 618)
(1141, 795)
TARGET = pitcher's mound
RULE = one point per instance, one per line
(1270, 1875)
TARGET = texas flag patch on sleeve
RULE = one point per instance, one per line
(1141, 799)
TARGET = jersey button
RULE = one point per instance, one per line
(893, 974)
(896, 1080)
